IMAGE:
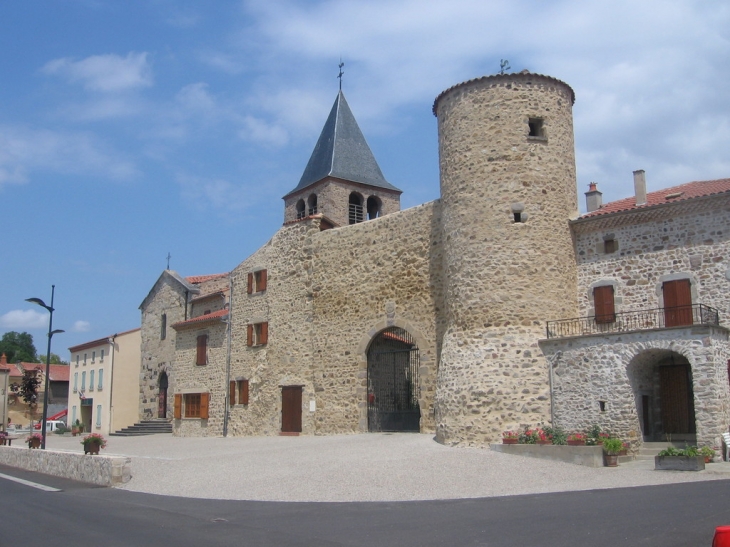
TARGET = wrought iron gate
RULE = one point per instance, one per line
(393, 382)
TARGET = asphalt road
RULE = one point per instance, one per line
(684, 514)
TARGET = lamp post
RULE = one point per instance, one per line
(51, 332)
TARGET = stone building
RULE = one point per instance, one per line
(456, 317)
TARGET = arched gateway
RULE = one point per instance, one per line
(393, 363)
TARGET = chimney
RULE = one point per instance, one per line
(3, 360)
(640, 187)
(593, 198)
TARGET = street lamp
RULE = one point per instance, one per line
(48, 359)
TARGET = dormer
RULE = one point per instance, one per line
(342, 180)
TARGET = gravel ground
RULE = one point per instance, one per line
(371, 467)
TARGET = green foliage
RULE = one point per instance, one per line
(613, 446)
(689, 451)
(528, 436)
(557, 434)
(18, 346)
(707, 452)
(55, 359)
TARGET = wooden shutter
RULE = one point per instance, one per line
(250, 283)
(204, 405)
(178, 406)
(604, 304)
(264, 333)
(677, 303)
(243, 392)
(232, 393)
(262, 284)
(249, 336)
(202, 353)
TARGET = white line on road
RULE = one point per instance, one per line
(29, 483)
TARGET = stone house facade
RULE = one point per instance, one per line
(356, 316)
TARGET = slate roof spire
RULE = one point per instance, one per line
(342, 152)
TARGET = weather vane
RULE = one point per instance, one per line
(169, 256)
(504, 65)
(341, 73)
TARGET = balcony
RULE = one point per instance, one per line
(658, 318)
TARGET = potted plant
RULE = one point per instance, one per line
(528, 436)
(672, 459)
(34, 440)
(577, 439)
(707, 453)
(92, 443)
(510, 437)
(612, 446)
(543, 437)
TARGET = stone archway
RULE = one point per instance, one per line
(392, 382)
(661, 381)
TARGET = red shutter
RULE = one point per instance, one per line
(232, 393)
(204, 406)
(264, 333)
(250, 283)
(202, 353)
(243, 392)
(603, 302)
(249, 336)
(677, 302)
(178, 406)
(263, 277)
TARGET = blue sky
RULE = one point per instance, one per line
(132, 129)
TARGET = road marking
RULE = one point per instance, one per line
(29, 483)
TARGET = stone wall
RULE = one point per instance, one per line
(509, 261)
(101, 470)
(590, 369)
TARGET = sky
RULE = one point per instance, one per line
(130, 130)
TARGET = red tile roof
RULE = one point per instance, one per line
(59, 373)
(201, 278)
(682, 192)
(199, 319)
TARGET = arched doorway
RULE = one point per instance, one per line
(393, 364)
(662, 384)
(162, 397)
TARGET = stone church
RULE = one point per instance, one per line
(493, 307)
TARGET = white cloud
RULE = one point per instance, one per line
(257, 130)
(81, 326)
(24, 319)
(106, 73)
(196, 98)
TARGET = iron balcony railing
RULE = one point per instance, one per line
(657, 318)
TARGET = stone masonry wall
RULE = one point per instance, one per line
(504, 277)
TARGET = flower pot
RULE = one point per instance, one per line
(74, 431)
(577, 443)
(679, 463)
(34, 443)
(92, 448)
(611, 460)
(509, 441)
(708, 459)
(623, 452)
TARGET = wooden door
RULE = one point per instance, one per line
(677, 303)
(291, 409)
(676, 399)
(162, 403)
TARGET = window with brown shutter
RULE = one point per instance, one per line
(232, 393)
(250, 284)
(261, 285)
(677, 302)
(192, 405)
(177, 413)
(258, 334)
(249, 335)
(243, 392)
(204, 397)
(264, 339)
(201, 357)
(604, 304)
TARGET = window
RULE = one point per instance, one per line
(240, 388)
(191, 405)
(610, 246)
(201, 357)
(257, 281)
(258, 334)
(301, 209)
(101, 358)
(93, 356)
(603, 303)
(77, 360)
(84, 358)
(91, 380)
(76, 382)
(83, 381)
(677, 303)
(73, 414)
(537, 128)
(518, 214)
(355, 212)
(101, 378)
(163, 326)
(374, 206)
(312, 204)
(98, 415)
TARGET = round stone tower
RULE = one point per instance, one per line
(508, 189)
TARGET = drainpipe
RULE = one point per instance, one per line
(111, 383)
(551, 364)
(226, 388)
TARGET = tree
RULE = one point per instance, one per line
(18, 346)
(29, 386)
(55, 359)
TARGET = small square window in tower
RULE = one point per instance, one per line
(258, 334)
(355, 211)
(537, 128)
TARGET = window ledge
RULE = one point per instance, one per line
(537, 139)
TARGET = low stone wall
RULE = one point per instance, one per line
(101, 470)
(590, 456)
